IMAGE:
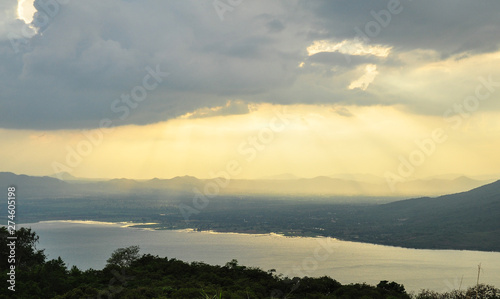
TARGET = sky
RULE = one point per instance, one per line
(142, 89)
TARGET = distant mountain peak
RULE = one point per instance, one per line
(463, 178)
(282, 176)
(122, 180)
(185, 177)
(65, 176)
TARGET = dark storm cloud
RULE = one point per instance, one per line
(275, 26)
(448, 26)
(91, 53)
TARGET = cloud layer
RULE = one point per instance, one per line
(86, 55)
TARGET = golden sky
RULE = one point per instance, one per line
(314, 140)
(303, 94)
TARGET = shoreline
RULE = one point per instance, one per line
(152, 227)
(197, 241)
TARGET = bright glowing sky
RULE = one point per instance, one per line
(26, 10)
(354, 105)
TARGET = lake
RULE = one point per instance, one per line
(90, 244)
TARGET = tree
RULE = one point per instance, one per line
(53, 278)
(391, 286)
(27, 255)
(124, 257)
(233, 264)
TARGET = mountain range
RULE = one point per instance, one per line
(467, 220)
(462, 220)
(342, 185)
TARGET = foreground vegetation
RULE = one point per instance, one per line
(130, 275)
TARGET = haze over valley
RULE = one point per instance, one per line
(289, 126)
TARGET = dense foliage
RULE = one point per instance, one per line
(128, 275)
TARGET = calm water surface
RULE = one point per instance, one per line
(89, 244)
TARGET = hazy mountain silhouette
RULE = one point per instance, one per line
(467, 220)
(283, 176)
(30, 186)
(64, 176)
(328, 186)
(36, 187)
(359, 177)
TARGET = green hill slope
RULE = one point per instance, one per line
(468, 220)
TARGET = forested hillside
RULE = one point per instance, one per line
(128, 274)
